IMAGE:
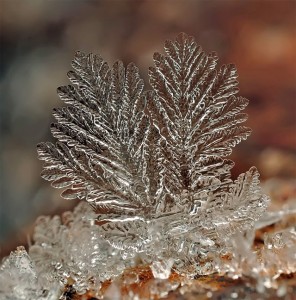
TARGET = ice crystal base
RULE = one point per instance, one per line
(69, 257)
(69, 260)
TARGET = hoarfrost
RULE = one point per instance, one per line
(153, 168)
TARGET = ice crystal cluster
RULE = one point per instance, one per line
(153, 167)
(152, 163)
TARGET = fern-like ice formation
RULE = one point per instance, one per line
(152, 164)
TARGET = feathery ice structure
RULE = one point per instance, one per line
(152, 165)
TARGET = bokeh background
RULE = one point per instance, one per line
(39, 39)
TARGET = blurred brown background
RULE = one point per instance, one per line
(39, 39)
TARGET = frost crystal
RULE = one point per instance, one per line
(163, 207)
(19, 280)
(152, 163)
(72, 248)
(162, 269)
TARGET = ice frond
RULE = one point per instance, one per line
(102, 137)
(196, 110)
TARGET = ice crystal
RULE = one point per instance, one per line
(72, 248)
(153, 163)
(163, 208)
(19, 279)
